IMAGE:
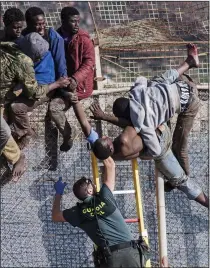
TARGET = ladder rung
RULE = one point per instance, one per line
(131, 220)
(124, 192)
(117, 163)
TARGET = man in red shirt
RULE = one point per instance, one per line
(80, 59)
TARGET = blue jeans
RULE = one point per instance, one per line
(169, 166)
(185, 118)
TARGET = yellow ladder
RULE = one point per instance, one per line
(137, 191)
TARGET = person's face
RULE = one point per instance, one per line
(14, 29)
(38, 24)
(109, 144)
(71, 24)
(91, 189)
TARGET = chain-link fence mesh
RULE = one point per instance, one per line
(29, 238)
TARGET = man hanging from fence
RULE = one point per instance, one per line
(98, 215)
(153, 102)
(130, 145)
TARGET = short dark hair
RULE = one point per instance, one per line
(68, 11)
(101, 149)
(32, 12)
(12, 15)
(80, 188)
(121, 108)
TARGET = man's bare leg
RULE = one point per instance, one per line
(192, 60)
(203, 200)
(19, 168)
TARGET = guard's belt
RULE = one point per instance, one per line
(123, 245)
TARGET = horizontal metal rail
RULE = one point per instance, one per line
(127, 88)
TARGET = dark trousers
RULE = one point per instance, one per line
(19, 109)
(18, 114)
(183, 127)
(57, 108)
(127, 257)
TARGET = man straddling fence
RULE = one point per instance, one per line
(98, 215)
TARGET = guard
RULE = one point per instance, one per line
(99, 216)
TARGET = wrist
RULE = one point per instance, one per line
(105, 116)
(56, 84)
(58, 195)
(74, 79)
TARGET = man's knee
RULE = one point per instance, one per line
(190, 188)
(18, 108)
(56, 105)
(11, 151)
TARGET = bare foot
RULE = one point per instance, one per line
(164, 262)
(192, 58)
(24, 141)
(19, 168)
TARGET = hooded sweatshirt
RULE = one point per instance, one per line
(153, 105)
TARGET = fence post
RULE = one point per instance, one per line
(161, 215)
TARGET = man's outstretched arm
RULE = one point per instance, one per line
(81, 117)
(88, 131)
(109, 173)
(98, 114)
(57, 214)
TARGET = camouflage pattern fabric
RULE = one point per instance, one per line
(17, 68)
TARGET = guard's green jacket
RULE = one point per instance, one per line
(17, 69)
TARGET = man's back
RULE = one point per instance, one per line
(100, 218)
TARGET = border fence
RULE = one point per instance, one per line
(135, 38)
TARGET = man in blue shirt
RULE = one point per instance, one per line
(98, 215)
(35, 20)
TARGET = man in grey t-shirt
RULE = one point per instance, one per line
(99, 216)
(150, 104)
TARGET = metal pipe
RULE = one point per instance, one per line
(161, 215)
(124, 192)
(152, 57)
(127, 88)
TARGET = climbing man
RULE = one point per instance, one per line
(98, 215)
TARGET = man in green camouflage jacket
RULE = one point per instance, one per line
(18, 85)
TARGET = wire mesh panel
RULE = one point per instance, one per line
(29, 238)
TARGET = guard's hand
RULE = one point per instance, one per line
(59, 186)
(98, 114)
(109, 163)
(73, 85)
(63, 82)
